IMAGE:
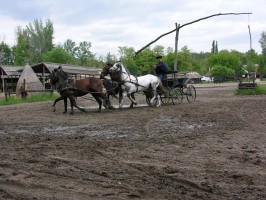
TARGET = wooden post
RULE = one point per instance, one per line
(5, 89)
(3, 80)
(43, 75)
(176, 45)
(24, 90)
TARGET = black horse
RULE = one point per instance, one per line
(69, 88)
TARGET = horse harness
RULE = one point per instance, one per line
(122, 82)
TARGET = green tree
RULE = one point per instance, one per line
(184, 60)
(227, 59)
(22, 49)
(40, 39)
(58, 55)
(262, 62)
(222, 71)
(127, 55)
(214, 49)
(262, 41)
(83, 53)
(169, 59)
(6, 56)
(110, 58)
(145, 61)
(252, 58)
(70, 47)
(158, 50)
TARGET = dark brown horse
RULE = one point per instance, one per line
(114, 88)
(69, 88)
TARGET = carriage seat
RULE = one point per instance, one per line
(172, 72)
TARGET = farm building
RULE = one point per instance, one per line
(9, 76)
(43, 70)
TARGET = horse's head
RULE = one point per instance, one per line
(58, 77)
(105, 70)
(115, 68)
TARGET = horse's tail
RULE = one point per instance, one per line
(163, 89)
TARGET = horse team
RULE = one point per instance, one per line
(123, 84)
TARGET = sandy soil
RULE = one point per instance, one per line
(214, 148)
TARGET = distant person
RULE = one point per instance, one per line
(160, 68)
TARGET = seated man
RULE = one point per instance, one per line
(160, 68)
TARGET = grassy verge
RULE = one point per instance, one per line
(259, 90)
(34, 98)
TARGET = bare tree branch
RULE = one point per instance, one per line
(186, 25)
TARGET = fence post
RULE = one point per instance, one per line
(24, 94)
(5, 89)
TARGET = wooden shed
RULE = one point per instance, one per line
(9, 75)
(43, 70)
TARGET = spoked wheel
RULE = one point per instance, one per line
(176, 95)
(164, 99)
(191, 94)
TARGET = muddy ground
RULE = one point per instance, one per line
(214, 148)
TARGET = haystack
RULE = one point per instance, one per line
(32, 83)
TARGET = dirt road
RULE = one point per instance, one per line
(214, 148)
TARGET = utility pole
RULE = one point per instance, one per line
(176, 45)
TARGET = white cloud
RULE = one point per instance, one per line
(108, 24)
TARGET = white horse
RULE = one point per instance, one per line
(130, 84)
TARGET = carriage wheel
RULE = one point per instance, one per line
(191, 94)
(176, 95)
(164, 99)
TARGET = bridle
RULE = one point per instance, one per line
(60, 81)
(118, 73)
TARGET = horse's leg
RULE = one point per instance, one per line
(97, 98)
(72, 100)
(58, 99)
(65, 104)
(109, 101)
(132, 99)
(121, 99)
(74, 103)
(155, 95)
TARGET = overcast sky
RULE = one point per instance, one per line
(108, 24)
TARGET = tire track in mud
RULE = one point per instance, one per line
(210, 149)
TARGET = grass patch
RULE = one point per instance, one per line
(259, 90)
(47, 96)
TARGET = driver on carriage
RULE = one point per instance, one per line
(160, 68)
